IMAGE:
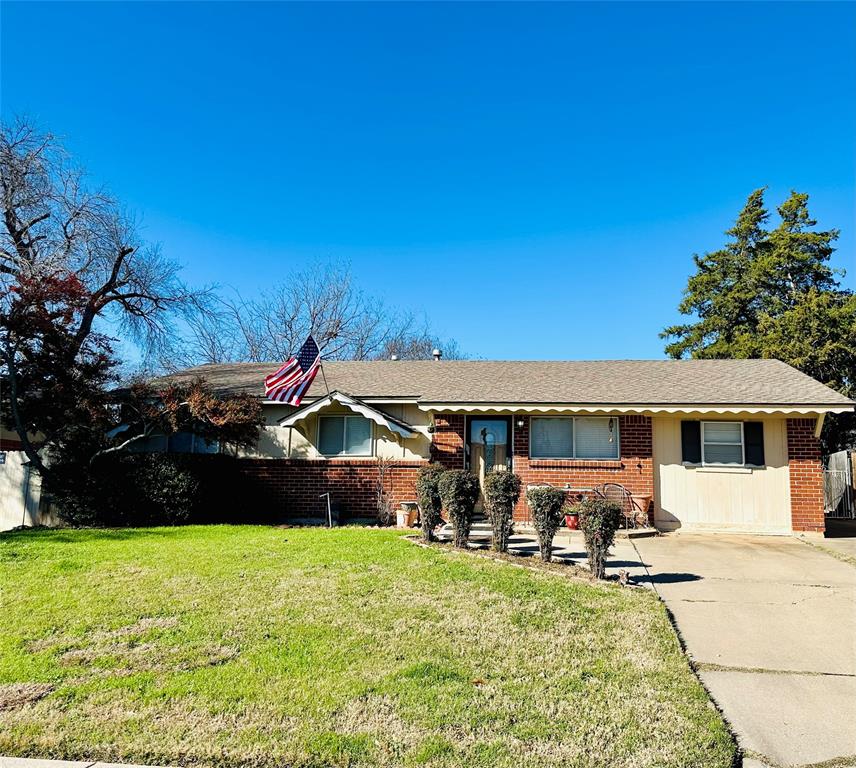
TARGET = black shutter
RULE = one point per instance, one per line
(753, 437)
(691, 442)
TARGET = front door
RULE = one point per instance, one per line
(488, 447)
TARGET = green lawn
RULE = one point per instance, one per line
(268, 647)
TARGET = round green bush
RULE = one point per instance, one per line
(459, 491)
(546, 504)
(501, 494)
(599, 520)
(428, 495)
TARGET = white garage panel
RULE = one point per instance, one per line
(738, 499)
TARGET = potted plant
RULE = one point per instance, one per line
(572, 517)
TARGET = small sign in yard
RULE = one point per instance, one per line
(2, 457)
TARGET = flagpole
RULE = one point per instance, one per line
(321, 366)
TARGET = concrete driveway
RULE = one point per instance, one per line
(770, 623)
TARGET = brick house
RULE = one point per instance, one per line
(725, 445)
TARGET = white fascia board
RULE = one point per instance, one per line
(641, 408)
(393, 425)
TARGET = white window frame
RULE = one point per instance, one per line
(346, 417)
(573, 419)
(706, 463)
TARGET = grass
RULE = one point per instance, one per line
(254, 646)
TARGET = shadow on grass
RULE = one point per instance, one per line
(85, 535)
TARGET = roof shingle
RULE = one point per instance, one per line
(615, 382)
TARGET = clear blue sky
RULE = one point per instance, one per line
(533, 177)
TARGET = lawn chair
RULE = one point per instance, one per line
(618, 494)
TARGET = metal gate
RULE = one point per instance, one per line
(839, 496)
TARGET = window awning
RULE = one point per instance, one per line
(397, 426)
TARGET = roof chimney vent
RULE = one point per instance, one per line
(393, 357)
(437, 354)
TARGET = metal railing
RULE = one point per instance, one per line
(838, 494)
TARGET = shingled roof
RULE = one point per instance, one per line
(603, 382)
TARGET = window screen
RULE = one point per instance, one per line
(358, 436)
(574, 438)
(597, 438)
(552, 439)
(344, 436)
(722, 442)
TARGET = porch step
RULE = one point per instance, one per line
(481, 531)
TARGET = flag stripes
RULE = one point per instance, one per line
(289, 383)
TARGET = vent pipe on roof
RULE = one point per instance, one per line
(436, 354)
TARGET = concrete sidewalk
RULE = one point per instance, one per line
(770, 623)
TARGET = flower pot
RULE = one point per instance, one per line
(405, 517)
(641, 503)
(573, 522)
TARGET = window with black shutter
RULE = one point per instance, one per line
(753, 435)
(691, 442)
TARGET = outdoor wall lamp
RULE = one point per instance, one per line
(520, 422)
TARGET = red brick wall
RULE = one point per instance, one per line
(447, 443)
(634, 469)
(806, 476)
(293, 486)
(10, 444)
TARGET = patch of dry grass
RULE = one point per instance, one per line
(247, 646)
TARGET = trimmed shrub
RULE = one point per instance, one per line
(501, 493)
(143, 489)
(546, 504)
(428, 495)
(169, 491)
(459, 491)
(599, 519)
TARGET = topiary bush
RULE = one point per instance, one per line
(459, 492)
(599, 519)
(428, 496)
(501, 493)
(546, 505)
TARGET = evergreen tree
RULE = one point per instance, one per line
(773, 294)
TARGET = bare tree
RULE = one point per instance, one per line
(58, 230)
(321, 300)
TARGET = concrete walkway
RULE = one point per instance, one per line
(568, 547)
(770, 623)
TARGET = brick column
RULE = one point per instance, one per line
(447, 444)
(806, 476)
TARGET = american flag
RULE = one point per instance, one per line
(290, 382)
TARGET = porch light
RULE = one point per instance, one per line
(520, 422)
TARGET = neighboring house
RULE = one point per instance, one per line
(727, 445)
